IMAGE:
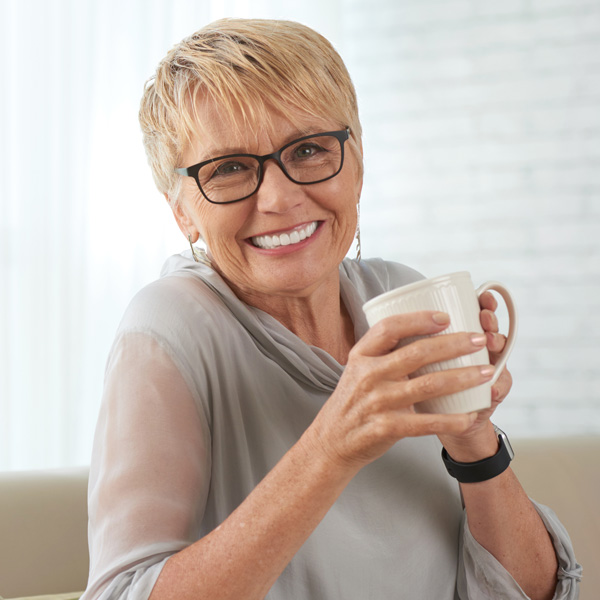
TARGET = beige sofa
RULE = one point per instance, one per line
(43, 532)
(43, 516)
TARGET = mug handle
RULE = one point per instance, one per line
(512, 323)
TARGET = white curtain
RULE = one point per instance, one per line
(82, 226)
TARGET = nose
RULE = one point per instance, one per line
(276, 192)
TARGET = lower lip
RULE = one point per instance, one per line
(282, 250)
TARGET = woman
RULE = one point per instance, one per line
(255, 439)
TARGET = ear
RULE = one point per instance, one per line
(184, 222)
(359, 185)
(361, 172)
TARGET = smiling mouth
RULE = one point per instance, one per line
(268, 242)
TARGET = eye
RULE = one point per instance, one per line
(228, 168)
(307, 150)
(228, 171)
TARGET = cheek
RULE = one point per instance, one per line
(346, 200)
(220, 225)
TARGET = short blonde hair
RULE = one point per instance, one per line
(247, 66)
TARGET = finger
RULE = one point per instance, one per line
(408, 359)
(487, 300)
(385, 335)
(420, 424)
(495, 344)
(442, 383)
(403, 394)
(502, 387)
(488, 320)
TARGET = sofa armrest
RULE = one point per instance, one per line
(564, 474)
(43, 528)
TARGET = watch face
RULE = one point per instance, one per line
(511, 452)
(500, 433)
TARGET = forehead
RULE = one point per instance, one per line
(220, 131)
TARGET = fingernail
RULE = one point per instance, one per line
(479, 339)
(487, 371)
(441, 318)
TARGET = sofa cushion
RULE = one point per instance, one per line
(43, 532)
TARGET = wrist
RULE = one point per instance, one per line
(472, 446)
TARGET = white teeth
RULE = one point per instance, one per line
(285, 239)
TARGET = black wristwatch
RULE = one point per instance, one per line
(485, 469)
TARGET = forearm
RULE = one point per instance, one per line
(504, 521)
(244, 556)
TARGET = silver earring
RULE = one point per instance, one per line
(199, 255)
(192, 247)
(357, 235)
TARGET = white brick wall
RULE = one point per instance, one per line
(482, 126)
(482, 143)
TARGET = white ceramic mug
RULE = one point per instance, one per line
(453, 294)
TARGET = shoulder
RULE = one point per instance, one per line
(172, 302)
(374, 276)
(190, 311)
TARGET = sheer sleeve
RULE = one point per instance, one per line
(480, 575)
(150, 470)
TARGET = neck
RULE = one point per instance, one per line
(319, 319)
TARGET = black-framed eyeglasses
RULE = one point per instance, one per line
(234, 177)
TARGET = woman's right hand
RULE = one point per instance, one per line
(373, 405)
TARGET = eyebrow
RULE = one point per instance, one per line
(215, 152)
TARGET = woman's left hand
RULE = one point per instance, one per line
(472, 438)
(495, 344)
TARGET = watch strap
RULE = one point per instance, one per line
(484, 469)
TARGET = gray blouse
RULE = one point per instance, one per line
(204, 394)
